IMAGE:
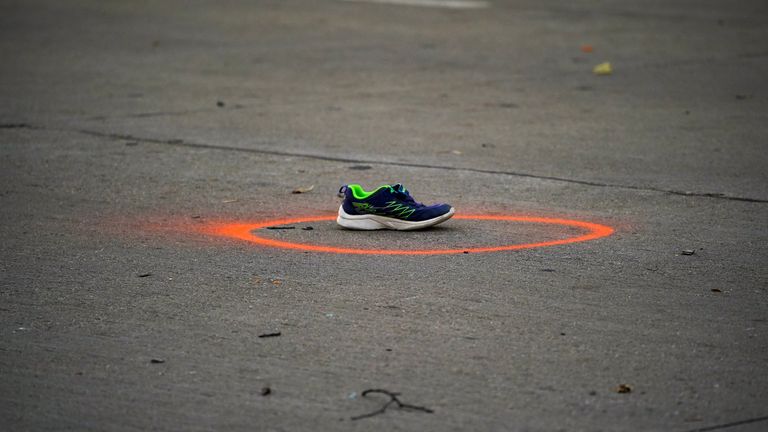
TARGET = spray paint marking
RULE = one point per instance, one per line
(247, 231)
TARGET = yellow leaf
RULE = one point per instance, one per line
(603, 69)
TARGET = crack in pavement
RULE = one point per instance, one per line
(170, 113)
(728, 425)
(189, 144)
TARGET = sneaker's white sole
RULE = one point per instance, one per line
(373, 222)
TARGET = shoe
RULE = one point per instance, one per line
(387, 207)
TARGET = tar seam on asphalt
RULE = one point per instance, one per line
(393, 399)
(732, 424)
(181, 143)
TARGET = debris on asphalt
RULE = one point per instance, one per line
(269, 335)
(586, 48)
(687, 252)
(301, 190)
(456, 152)
(548, 270)
(352, 396)
(280, 227)
(623, 388)
(227, 201)
(266, 391)
(487, 145)
(716, 290)
(196, 217)
(603, 69)
(220, 104)
(329, 315)
(276, 281)
(393, 400)
(157, 361)
(308, 228)
(143, 275)
(360, 167)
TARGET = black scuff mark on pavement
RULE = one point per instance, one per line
(17, 126)
(270, 335)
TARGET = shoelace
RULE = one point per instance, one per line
(397, 189)
(401, 192)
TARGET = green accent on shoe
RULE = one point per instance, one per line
(359, 193)
(365, 208)
(399, 209)
(393, 208)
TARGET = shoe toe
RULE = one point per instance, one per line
(434, 211)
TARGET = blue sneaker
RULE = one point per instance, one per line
(387, 207)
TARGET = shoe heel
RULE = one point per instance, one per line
(357, 222)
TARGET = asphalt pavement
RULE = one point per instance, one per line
(132, 132)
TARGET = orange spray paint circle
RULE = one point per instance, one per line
(245, 231)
